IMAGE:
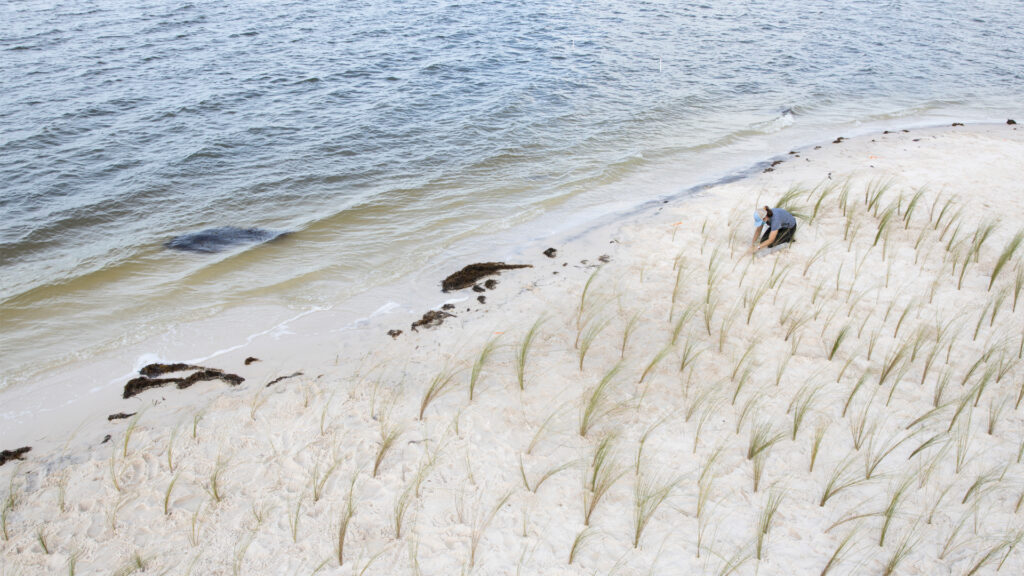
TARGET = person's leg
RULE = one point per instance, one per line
(785, 235)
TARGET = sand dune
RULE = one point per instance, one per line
(851, 404)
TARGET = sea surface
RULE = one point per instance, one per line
(368, 138)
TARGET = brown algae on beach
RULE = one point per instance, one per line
(150, 372)
(469, 275)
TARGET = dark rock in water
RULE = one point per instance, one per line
(217, 239)
(491, 284)
(120, 416)
(604, 258)
(146, 381)
(18, 454)
(478, 288)
(1011, 121)
(470, 274)
(431, 319)
(394, 333)
(448, 307)
(250, 360)
(481, 299)
(958, 123)
(838, 140)
(551, 252)
(106, 439)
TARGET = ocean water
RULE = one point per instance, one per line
(374, 136)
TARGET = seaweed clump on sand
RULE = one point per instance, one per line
(431, 319)
(470, 274)
(18, 454)
(150, 372)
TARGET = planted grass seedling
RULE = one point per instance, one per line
(600, 476)
(995, 408)
(902, 551)
(840, 552)
(526, 344)
(597, 402)
(480, 523)
(801, 403)
(874, 192)
(648, 495)
(583, 299)
(478, 365)
(591, 331)
(548, 474)
(840, 480)
(400, 509)
(627, 332)
(1002, 548)
(833, 346)
(762, 438)
(581, 539)
(709, 410)
(389, 432)
(895, 500)
(215, 484)
(765, 518)
(348, 512)
(440, 385)
(819, 435)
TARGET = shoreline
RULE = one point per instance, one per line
(759, 405)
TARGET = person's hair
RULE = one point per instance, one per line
(769, 210)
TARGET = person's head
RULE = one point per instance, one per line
(762, 215)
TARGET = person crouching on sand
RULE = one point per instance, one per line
(780, 228)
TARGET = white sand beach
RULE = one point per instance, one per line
(851, 404)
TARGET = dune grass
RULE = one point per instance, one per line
(602, 473)
(526, 344)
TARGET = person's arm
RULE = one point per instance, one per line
(768, 242)
(757, 234)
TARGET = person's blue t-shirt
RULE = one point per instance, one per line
(781, 219)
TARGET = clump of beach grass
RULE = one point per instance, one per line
(479, 363)
(526, 344)
(441, 384)
(481, 521)
(602, 473)
(648, 495)
(347, 513)
(597, 401)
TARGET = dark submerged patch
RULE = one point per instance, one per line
(217, 239)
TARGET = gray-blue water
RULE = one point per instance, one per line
(378, 133)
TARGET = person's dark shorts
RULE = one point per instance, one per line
(784, 235)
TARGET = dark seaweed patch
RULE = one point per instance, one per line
(470, 274)
(146, 381)
(17, 454)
